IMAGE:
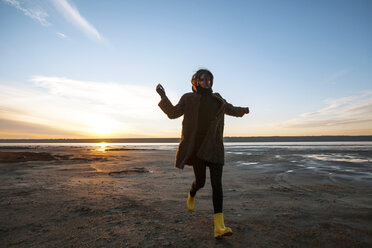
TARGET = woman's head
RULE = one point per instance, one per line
(203, 78)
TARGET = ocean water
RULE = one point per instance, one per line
(331, 161)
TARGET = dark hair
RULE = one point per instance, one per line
(208, 75)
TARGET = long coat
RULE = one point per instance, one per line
(211, 149)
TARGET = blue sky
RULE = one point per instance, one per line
(89, 68)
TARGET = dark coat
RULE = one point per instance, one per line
(211, 149)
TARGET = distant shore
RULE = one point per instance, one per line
(337, 138)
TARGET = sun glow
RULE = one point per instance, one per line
(102, 126)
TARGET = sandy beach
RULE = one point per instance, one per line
(64, 196)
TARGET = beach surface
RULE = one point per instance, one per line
(77, 196)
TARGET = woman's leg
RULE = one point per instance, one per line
(199, 171)
(216, 181)
(220, 229)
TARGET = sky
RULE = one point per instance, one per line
(88, 69)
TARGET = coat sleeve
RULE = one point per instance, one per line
(233, 110)
(171, 111)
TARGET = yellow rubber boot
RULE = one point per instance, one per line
(219, 226)
(190, 203)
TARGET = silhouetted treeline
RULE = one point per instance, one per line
(176, 140)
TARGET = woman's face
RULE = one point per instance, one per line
(203, 82)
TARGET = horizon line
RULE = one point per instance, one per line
(313, 138)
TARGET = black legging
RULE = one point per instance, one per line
(216, 181)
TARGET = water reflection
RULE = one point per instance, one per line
(102, 147)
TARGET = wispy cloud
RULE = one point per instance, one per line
(346, 113)
(62, 35)
(334, 77)
(35, 12)
(73, 15)
(84, 108)
(13, 129)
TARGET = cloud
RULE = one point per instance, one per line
(113, 96)
(62, 35)
(344, 113)
(84, 108)
(332, 78)
(35, 12)
(72, 15)
(24, 130)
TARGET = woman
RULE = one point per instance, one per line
(201, 143)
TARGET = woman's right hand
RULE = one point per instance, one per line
(160, 90)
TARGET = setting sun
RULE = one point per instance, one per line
(102, 126)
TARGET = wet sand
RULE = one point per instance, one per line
(79, 197)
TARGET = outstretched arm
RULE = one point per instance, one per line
(234, 111)
(165, 104)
